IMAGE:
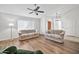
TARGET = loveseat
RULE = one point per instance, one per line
(55, 35)
(28, 34)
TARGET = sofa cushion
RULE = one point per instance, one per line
(27, 31)
(55, 31)
(29, 34)
(10, 50)
(38, 52)
(14, 50)
(53, 35)
(21, 51)
(56, 36)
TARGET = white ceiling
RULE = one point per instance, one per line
(50, 9)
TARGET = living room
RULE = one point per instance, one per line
(54, 29)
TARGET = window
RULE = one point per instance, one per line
(57, 24)
(25, 24)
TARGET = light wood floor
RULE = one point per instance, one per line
(46, 46)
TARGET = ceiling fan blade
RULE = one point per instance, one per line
(36, 13)
(36, 8)
(35, 4)
(41, 11)
(29, 9)
(30, 12)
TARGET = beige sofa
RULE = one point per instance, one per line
(27, 34)
(55, 35)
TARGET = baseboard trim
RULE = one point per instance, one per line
(9, 39)
(72, 36)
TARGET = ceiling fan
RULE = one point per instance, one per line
(36, 10)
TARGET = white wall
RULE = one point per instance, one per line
(77, 27)
(5, 30)
(71, 22)
(42, 25)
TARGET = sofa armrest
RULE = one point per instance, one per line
(62, 35)
(20, 33)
